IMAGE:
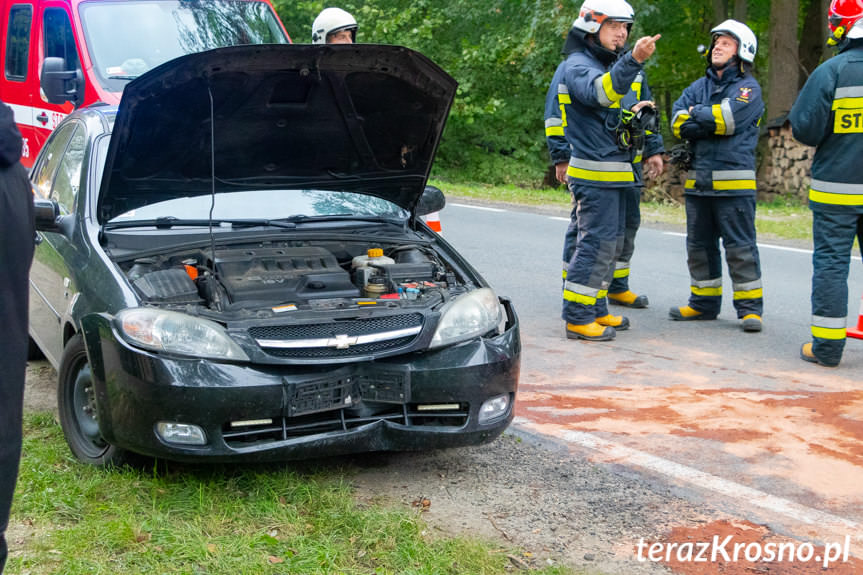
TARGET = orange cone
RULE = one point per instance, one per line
(433, 221)
(858, 331)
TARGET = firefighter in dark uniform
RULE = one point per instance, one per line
(16, 252)
(597, 76)
(828, 114)
(559, 151)
(719, 115)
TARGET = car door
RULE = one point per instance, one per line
(56, 176)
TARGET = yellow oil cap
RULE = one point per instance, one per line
(375, 252)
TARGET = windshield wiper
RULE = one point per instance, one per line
(299, 219)
(169, 222)
(122, 77)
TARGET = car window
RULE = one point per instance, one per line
(18, 42)
(48, 161)
(68, 178)
(59, 39)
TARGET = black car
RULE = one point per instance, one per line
(231, 265)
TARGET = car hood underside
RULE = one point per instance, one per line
(359, 118)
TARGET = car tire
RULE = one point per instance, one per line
(76, 402)
(33, 351)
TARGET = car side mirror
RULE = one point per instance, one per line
(61, 85)
(432, 200)
(47, 215)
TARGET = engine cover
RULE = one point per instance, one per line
(277, 275)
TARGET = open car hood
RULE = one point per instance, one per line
(359, 118)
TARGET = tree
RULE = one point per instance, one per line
(784, 67)
(813, 38)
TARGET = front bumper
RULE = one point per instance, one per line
(271, 413)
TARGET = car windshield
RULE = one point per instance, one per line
(126, 39)
(268, 205)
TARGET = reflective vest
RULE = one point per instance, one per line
(828, 114)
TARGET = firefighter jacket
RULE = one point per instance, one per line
(828, 114)
(555, 119)
(722, 127)
(591, 95)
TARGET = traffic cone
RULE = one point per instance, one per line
(433, 221)
(858, 331)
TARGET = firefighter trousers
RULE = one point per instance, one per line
(731, 219)
(599, 214)
(833, 235)
(620, 283)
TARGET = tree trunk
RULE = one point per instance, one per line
(741, 7)
(720, 11)
(784, 68)
(813, 38)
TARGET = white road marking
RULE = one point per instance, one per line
(483, 208)
(838, 526)
(559, 219)
(765, 246)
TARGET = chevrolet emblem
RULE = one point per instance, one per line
(341, 341)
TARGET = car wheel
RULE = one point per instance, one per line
(33, 351)
(76, 402)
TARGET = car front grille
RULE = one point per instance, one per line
(338, 339)
(277, 429)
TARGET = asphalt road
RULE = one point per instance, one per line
(735, 420)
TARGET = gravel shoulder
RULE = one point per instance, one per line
(519, 491)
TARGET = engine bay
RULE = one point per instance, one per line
(278, 275)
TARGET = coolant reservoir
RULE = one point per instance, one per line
(375, 256)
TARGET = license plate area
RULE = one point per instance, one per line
(346, 388)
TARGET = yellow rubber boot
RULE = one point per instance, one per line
(687, 313)
(618, 322)
(752, 322)
(591, 332)
(807, 354)
(628, 299)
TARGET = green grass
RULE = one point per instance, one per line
(72, 518)
(781, 219)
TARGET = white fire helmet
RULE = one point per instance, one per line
(747, 44)
(332, 20)
(595, 12)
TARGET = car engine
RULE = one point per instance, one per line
(267, 276)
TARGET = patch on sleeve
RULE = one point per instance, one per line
(744, 95)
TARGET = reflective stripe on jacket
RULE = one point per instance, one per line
(555, 117)
(720, 117)
(828, 114)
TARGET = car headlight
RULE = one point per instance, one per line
(468, 316)
(172, 332)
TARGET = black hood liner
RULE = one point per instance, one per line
(361, 118)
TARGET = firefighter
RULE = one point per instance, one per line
(555, 121)
(828, 114)
(334, 26)
(16, 250)
(597, 75)
(719, 115)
